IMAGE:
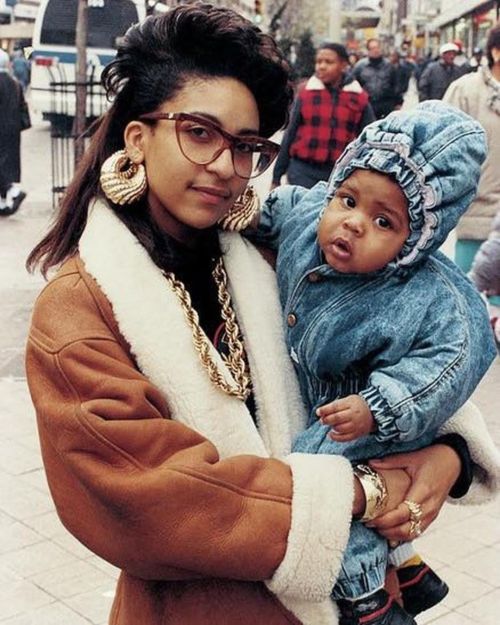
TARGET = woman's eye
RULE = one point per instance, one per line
(383, 223)
(199, 132)
(243, 147)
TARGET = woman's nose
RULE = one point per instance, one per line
(223, 165)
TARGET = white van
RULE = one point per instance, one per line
(54, 52)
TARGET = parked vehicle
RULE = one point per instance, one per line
(54, 53)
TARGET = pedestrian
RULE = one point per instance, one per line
(421, 64)
(378, 77)
(478, 94)
(21, 69)
(485, 271)
(12, 106)
(165, 399)
(388, 337)
(439, 75)
(461, 60)
(328, 112)
(404, 70)
(478, 59)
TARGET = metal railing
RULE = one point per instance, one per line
(61, 116)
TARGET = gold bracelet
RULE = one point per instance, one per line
(375, 490)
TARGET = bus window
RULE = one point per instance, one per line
(107, 21)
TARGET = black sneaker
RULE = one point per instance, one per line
(376, 609)
(16, 203)
(421, 588)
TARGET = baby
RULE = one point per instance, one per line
(388, 337)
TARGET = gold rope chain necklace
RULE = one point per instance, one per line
(236, 360)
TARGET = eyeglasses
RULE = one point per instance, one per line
(202, 142)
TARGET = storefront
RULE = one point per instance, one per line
(467, 21)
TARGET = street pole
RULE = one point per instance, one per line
(81, 79)
(335, 20)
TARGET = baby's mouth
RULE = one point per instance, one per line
(341, 248)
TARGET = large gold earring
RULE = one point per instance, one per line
(122, 181)
(242, 212)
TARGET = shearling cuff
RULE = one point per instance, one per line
(323, 491)
(469, 423)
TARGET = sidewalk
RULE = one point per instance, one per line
(48, 578)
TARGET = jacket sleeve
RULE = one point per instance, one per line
(281, 166)
(151, 495)
(485, 271)
(368, 116)
(414, 395)
(275, 211)
(424, 84)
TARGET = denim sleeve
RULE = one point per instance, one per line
(414, 396)
(276, 210)
(485, 271)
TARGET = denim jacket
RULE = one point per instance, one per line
(412, 338)
(415, 345)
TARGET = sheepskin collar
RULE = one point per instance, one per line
(152, 321)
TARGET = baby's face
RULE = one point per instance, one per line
(365, 225)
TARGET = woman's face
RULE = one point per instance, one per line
(185, 197)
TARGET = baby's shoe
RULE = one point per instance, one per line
(378, 608)
(420, 587)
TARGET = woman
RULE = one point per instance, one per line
(167, 452)
(328, 113)
(478, 94)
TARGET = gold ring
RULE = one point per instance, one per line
(415, 517)
(415, 529)
(415, 510)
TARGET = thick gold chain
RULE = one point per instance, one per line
(236, 361)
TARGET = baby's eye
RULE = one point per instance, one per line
(383, 223)
(348, 201)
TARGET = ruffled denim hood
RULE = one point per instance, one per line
(434, 152)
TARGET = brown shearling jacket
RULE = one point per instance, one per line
(195, 526)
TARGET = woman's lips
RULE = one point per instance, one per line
(212, 195)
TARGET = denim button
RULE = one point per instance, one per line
(291, 320)
(314, 277)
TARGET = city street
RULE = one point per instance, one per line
(48, 578)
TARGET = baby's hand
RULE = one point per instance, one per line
(349, 417)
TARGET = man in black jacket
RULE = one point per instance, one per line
(378, 77)
(438, 76)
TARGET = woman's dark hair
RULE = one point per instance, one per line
(155, 60)
(336, 47)
(493, 42)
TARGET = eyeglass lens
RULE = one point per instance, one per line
(202, 144)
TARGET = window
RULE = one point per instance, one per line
(107, 20)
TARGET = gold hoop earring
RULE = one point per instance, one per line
(122, 180)
(242, 212)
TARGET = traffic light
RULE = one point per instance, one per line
(258, 7)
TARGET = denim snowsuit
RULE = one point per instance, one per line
(412, 338)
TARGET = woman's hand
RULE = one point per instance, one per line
(433, 472)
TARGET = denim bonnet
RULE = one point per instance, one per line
(434, 152)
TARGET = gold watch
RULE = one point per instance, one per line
(375, 490)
